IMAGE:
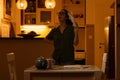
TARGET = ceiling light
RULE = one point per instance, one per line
(50, 3)
(22, 4)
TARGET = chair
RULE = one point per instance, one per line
(11, 65)
(104, 60)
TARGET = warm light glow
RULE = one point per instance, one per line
(50, 3)
(43, 30)
(106, 28)
(22, 4)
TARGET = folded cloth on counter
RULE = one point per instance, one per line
(72, 66)
(77, 66)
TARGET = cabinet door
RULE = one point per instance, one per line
(29, 14)
(45, 16)
(29, 18)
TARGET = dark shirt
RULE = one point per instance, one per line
(63, 45)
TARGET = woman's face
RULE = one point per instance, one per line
(62, 16)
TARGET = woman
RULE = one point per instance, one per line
(64, 38)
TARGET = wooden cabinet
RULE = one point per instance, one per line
(36, 13)
(77, 9)
(45, 16)
(29, 14)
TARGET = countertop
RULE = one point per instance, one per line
(66, 68)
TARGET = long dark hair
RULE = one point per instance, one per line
(68, 21)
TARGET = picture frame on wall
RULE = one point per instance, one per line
(7, 9)
(45, 16)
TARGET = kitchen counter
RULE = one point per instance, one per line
(66, 72)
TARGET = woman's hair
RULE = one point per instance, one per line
(68, 21)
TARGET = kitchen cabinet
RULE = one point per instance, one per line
(45, 16)
(36, 13)
(77, 9)
(29, 14)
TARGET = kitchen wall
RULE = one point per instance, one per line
(1, 9)
(14, 18)
(96, 12)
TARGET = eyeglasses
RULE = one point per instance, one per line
(61, 13)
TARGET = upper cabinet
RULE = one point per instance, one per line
(77, 9)
(36, 13)
(29, 14)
